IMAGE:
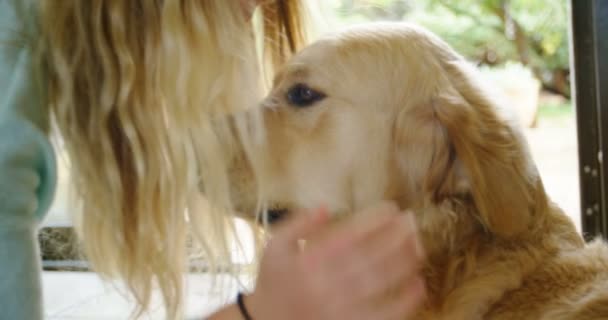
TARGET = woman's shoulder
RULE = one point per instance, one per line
(18, 41)
(18, 21)
(24, 118)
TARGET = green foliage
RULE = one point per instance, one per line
(533, 32)
(478, 39)
(562, 110)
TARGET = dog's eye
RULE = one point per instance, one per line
(302, 95)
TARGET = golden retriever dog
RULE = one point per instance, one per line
(390, 112)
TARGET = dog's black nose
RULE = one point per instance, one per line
(274, 216)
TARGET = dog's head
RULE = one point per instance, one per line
(389, 111)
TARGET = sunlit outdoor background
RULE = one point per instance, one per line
(522, 46)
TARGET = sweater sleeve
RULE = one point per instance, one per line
(27, 165)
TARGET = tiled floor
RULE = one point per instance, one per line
(83, 296)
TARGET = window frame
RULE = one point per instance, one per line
(589, 42)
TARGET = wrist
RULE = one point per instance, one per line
(240, 301)
(230, 312)
(255, 306)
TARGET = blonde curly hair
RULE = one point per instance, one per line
(134, 87)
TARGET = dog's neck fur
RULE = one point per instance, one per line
(451, 252)
(460, 251)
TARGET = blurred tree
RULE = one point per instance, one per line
(536, 31)
(376, 9)
(489, 32)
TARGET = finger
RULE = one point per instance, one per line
(419, 248)
(350, 233)
(387, 259)
(370, 220)
(405, 303)
(397, 266)
(399, 245)
(303, 224)
(386, 239)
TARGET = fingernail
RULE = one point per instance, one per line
(408, 221)
(301, 244)
(413, 228)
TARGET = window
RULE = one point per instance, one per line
(590, 48)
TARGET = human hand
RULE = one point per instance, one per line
(345, 272)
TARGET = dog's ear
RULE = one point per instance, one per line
(501, 175)
(471, 150)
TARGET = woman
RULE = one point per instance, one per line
(135, 88)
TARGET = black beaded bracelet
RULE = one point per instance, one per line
(242, 308)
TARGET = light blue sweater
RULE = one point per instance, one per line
(27, 164)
